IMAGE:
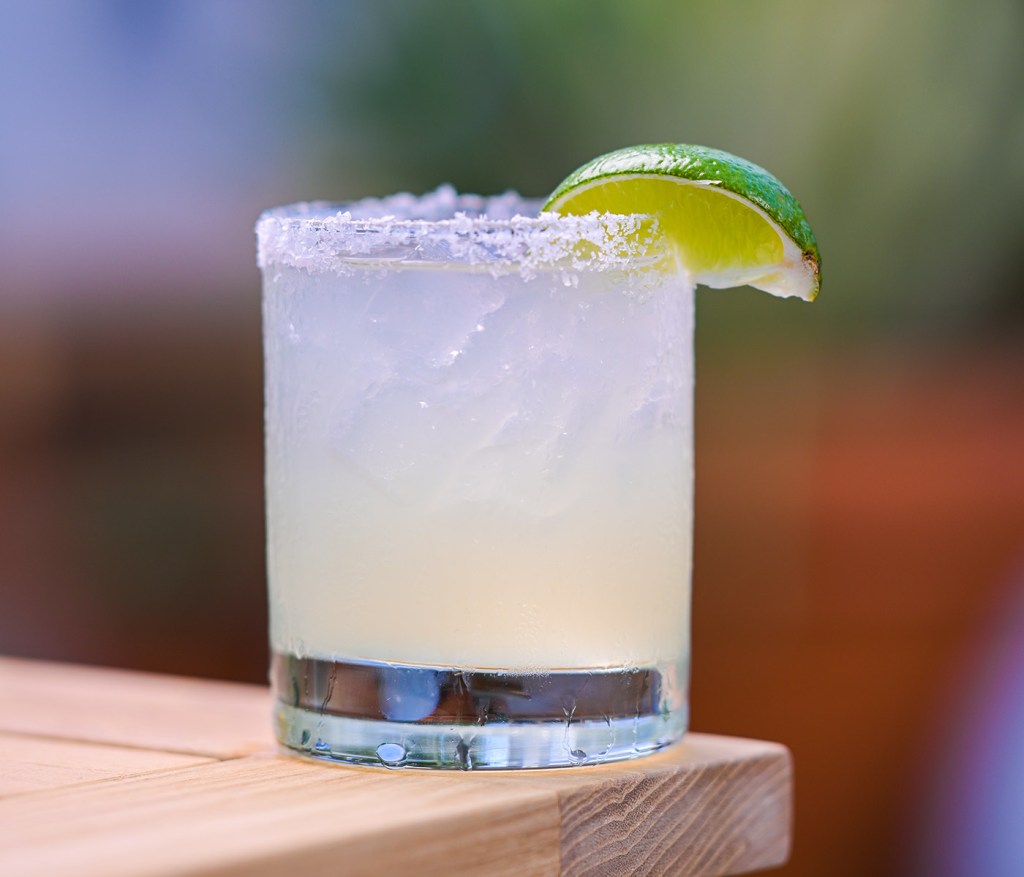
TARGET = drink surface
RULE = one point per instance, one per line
(476, 467)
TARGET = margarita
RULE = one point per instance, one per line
(479, 473)
(479, 420)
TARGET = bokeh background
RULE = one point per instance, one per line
(859, 582)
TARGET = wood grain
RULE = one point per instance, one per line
(711, 806)
(632, 824)
(143, 710)
(30, 764)
(273, 815)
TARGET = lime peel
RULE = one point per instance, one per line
(731, 221)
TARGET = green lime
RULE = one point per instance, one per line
(729, 221)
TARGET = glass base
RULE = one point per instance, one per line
(439, 717)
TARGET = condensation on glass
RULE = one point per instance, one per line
(479, 480)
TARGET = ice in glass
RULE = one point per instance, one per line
(479, 482)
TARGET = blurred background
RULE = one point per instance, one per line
(859, 581)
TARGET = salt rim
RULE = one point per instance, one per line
(444, 228)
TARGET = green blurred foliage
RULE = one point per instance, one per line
(900, 127)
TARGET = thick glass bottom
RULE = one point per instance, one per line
(440, 717)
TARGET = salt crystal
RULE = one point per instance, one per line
(499, 234)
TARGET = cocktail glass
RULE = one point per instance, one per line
(479, 475)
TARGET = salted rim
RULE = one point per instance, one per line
(444, 228)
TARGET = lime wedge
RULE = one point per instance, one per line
(729, 222)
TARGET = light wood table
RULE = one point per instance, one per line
(110, 772)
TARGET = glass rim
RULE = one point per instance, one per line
(444, 227)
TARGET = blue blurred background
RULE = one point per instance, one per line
(859, 576)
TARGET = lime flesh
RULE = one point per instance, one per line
(729, 222)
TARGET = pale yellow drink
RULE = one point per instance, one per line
(479, 458)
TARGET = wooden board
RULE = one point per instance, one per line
(80, 800)
(29, 764)
(141, 710)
